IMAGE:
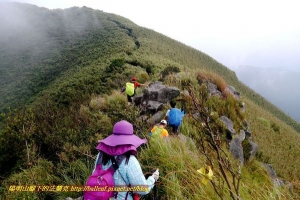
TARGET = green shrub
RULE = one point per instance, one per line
(115, 65)
(169, 70)
(143, 77)
(275, 127)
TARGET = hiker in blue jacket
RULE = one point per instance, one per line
(174, 117)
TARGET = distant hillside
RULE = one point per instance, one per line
(60, 76)
(38, 45)
(278, 86)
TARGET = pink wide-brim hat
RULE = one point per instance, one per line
(116, 150)
(122, 135)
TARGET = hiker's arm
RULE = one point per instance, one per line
(136, 177)
(143, 85)
(167, 115)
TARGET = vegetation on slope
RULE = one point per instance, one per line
(70, 102)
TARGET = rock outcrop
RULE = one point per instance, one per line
(230, 132)
(156, 96)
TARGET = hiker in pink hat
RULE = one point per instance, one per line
(117, 153)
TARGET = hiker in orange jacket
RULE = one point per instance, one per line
(160, 130)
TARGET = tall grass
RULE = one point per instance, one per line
(178, 161)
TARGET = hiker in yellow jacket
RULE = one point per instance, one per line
(160, 130)
(130, 89)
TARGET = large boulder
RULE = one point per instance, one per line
(156, 96)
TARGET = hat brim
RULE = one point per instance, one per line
(116, 150)
(115, 140)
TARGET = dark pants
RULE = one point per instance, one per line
(174, 129)
(129, 98)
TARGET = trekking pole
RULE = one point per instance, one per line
(155, 185)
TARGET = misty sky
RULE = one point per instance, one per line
(260, 33)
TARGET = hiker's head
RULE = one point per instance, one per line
(163, 122)
(121, 140)
(173, 103)
(133, 79)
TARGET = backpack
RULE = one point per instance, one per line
(175, 117)
(100, 179)
(129, 89)
(157, 133)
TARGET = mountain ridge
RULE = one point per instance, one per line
(71, 100)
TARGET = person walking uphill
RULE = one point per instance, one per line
(117, 155)
(130, 89)
(174, 117)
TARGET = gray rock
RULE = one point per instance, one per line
(229, 127)
(248, 135)
(254, 148)
(236, 149)
(232, 90)
(270, 170)
(143, 118)
(156, 96)
(156, 118)
(161, 93)
(137, 99)
(213, 89)
(242, 135)
(153, 106)
(278, 182)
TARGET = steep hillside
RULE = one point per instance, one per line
(60, 69)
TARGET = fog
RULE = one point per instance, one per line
(278, 86)
(23, 32)
(29, 40)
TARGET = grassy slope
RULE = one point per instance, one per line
(91, 52)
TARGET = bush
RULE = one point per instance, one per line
(275, 127)
(213, 78)
(169, 70)
(143, 77)
(115, 65)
